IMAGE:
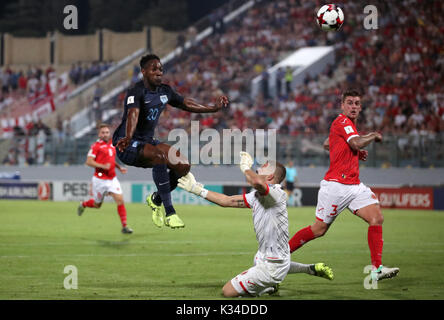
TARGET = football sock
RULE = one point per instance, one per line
(162, 181)
(121, 210)
(296, 267)
(174, 179)
(300, 238)
(88, 203)
(375, 243)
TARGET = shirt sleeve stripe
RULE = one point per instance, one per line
(243, 287)
(245, 200)
(355, 135)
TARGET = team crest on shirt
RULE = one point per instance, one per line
(163, 99)
(348, 129)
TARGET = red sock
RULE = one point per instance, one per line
(89, 203)
(301, 237)
(375, 243)
(122, 214)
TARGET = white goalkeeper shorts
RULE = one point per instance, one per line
(264, 274)
(334, 197)
(101, 187)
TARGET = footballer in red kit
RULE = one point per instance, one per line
(102, 157)
(104, 152)
(344, 162)
(341, 187)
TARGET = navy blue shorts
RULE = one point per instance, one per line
(132, 155)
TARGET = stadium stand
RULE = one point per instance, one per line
(403, 88)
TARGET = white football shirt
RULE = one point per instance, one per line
(270, 219)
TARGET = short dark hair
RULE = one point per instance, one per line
(280, 172)
(352, 92)
(146, 58)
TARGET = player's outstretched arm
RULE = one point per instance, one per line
(189, 183)
(357, 143)
(192, 106)
(223, 200)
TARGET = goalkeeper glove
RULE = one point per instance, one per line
(189, 183)
(246, 161)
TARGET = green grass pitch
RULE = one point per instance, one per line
(38, 239)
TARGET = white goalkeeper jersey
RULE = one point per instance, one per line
(270, 218)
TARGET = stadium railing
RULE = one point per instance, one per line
(304, 150)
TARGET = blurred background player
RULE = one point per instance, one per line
(270, 217)
(341, 187)
(101, 156)
(135, 142)
(291, 177)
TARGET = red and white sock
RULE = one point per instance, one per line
(300, 238)
(89, 203)
(375, 243)
(122, 214)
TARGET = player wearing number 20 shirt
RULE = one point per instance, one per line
(135, 142)
(151, 104)
(341, 187)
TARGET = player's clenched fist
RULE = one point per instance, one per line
(246, 161)
(363, 154)
(189, 183)
(222, 101)
(378, 137)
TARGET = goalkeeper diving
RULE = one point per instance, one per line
(268, 201)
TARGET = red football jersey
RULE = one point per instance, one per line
(344, 162)
(104, 152)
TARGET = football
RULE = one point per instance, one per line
(330, 17)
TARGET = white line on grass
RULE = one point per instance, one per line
(95, 242)
(196, 254)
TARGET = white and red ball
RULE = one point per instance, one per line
(330, 17)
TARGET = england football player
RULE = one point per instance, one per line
(135, 142)
(341, 187)
(268, 201)
(102, 157)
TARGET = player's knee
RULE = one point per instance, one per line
(377, 220)
(184, 168)
(375, 217)
(181, 168)
(97, 205)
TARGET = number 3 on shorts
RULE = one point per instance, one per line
(335, 210)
